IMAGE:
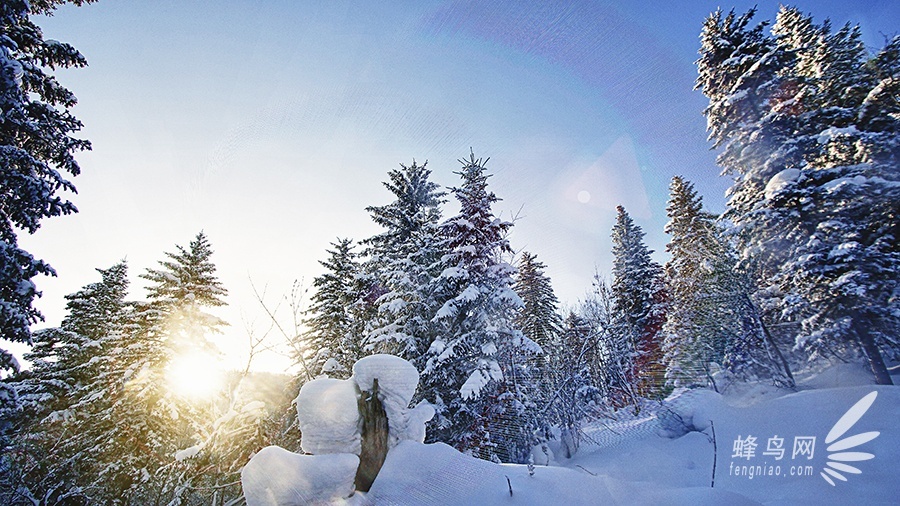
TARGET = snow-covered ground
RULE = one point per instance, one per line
(772, 446)
(638, 461)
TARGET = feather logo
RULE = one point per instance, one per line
(837, 456)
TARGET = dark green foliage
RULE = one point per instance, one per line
(806, 121)
(403, 261)
(335, 319)
(477, 371)
(36, 153)
(639, 301)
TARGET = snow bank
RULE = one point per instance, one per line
(688, 411)
(782, 450)
(397, 380)
(802, 424)
(277, 477)
(437, 474)
(328, 410)
(329, 417)
(330, 425)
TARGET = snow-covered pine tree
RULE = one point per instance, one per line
(335, 335)
(695, 335)
(404, 259)
(711, 322)
(477, 372)
(36, 150)
(181, 291)
(816, 197)
(56, 437)
(843, 265)
(639, 310)
(138, 422)
(538, 318)
(539, 321)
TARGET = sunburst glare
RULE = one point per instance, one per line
(195, 376)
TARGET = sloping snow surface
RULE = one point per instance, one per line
(637, 461)
(827, 443)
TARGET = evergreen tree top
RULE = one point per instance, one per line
(476, 237)
(416, 207)
(90, 308)
(189, 276)
(37, 150)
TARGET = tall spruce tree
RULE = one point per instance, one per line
(538, 318)
(57, 432)
(639, 307)
(36, 153)
(696, 336)
(711, 322)
(403, 260)
(182, 289)
(539, 321)
(815, 204)
(335, 324)
(140, 421)
(477, 373)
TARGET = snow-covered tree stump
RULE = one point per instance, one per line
(361, 419)
(374, 437)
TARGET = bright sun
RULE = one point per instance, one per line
(195, 376)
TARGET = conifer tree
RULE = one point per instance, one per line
(139, 421)
(639, 311)
(36, 153)
(815, 204)
(57, 439)
(711, 322)
(403, 260)
(182, 289)
(538, 319)
(335, 335)
(706, 322)
(477, 374)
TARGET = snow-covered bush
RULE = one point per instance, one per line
(687, 411)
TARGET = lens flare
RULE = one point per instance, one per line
(195, 376)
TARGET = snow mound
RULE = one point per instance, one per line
(688, 411)
(277, 477)
(415, 423)
(328, 415)
(397, 379)
(397, 382)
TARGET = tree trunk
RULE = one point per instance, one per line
(873, 355)
(374, 438)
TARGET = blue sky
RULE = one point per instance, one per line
(270, 125)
